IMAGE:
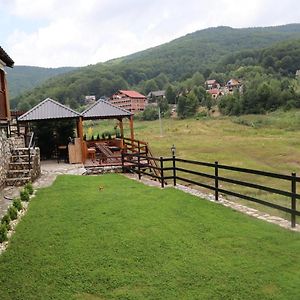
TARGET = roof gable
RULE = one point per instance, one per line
(103, 109)
(49, 109)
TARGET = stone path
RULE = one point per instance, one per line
(222, 201)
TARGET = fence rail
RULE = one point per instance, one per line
(139, 163)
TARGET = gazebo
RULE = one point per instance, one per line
(52, 110)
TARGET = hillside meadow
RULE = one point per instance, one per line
(268, 142)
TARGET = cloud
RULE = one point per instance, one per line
(81, 32)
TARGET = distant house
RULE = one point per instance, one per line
(156, 95)
(233, 84)
(5, 61)
(215, 93)
(297, 73)
(211, 84)
(91, 99)
(129, 100)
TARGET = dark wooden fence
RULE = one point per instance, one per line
(165, 169)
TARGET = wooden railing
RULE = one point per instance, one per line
(143, 149)
(177, 172)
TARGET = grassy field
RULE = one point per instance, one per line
(130, 241)
(264, 142)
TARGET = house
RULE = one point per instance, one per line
(90, 99)
(5, 61)
(215, 93)
(129, 100)
(156, 95)
(233, 84)
(211, 84)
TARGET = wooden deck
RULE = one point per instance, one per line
(108, 153)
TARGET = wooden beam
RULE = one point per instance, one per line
(121, 128)
(79, 124)
(131, 128)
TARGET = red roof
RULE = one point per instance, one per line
(214, 91)
(132, 94)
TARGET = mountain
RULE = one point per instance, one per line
(23, 78)
(173, 62)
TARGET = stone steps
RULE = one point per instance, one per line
(19, 165)
(21, 158)
(17, 181)
(18, 173)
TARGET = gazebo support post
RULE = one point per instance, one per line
(79, 124)
(121, 128)
(131, 129)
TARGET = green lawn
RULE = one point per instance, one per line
(130, 241)
(265, 142)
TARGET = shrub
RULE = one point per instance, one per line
(13, 213)
(3, 233)
(29, 188)
(6, 220)
(24, 195)
(17, 203)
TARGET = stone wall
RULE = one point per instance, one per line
(36, 165)
(5, 155)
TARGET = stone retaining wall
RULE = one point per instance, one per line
(5, 146)
(36, 164)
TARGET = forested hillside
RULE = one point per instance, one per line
(181, 65)
(23, 78)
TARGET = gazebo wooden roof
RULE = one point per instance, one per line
(50, 109)
(105, 110)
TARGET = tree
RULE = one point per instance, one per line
(163, 104)
(150, 85)
(161, 80)
(150, 113)
(198, 79)
(170, 95)
(187, 106)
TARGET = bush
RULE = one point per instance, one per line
(3, 233)
(13, 212)
(150, 113)
(17, 203)
(29, 188)
(6, 220)
(24, 195)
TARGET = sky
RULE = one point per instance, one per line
(56, 33)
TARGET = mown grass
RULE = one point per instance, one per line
(130, 241)
(264, 142)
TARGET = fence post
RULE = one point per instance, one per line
(216, 181)
(174, 170)
(293, 200)
(139, 166)
(162, 179)
(122, 157)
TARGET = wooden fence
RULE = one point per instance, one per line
(175, 169)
